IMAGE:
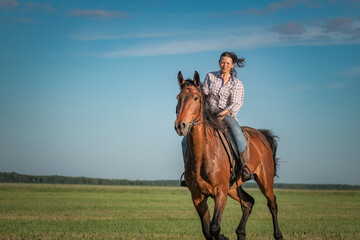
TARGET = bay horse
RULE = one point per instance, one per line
(207, 167)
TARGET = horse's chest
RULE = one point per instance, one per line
(200, 176)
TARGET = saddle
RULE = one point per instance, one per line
(233, 153)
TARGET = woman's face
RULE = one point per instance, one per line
(226, 64)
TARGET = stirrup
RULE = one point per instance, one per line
(246, 175)
(182, 181)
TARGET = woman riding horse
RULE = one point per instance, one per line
(207, 167)
(226, 95)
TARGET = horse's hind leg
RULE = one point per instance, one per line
(202, 209)
(247, 202)
(266, 188)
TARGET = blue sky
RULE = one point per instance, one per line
(88, 88)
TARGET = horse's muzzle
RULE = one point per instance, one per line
(182, 128)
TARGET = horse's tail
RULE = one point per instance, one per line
(272, 139)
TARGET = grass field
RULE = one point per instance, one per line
(35, 211)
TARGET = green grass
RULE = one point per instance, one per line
(35, 211)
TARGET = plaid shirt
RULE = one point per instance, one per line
(230, 96)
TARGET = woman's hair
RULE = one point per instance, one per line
(240, 62)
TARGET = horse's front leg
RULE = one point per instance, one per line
(220, 202)
(200, 203)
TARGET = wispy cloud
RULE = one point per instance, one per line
(302, 88)
(21, 19)
(351, 72)
(172, 47)
(281, 5)
(287, 34)
(290, 28)
(343, 24)
(41, 6)
(168, 48)
(330, 31)
(8, 3)
(336, 86)
(97, 35)
(250, 11)
(347, 3)
(336, 31)
(332, 86)
(276, 6)
(98, 14)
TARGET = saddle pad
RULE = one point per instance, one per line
(231, 149)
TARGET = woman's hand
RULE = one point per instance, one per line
(223, 113)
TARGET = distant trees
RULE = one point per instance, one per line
(308, 186)
(14, 177)
(55, 179)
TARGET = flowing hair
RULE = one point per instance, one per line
(239, 62)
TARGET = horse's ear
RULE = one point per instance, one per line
(197, 79)
(181, 79)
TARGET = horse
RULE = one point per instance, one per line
(207, 167)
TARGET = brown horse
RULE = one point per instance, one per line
(207, 167)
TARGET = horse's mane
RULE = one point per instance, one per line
(210, 117)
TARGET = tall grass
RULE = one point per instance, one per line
(35, 211)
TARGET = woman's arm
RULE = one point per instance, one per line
(223, 113)
(236, 99)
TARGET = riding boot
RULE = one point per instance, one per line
(246, 174)
(182, 181)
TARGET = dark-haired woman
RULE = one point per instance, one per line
(225, 95)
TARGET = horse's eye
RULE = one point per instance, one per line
(196, 98)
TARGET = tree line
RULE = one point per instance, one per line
(13, 177)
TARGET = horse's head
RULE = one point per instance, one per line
(188, 109)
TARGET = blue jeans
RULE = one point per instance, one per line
(235, 131)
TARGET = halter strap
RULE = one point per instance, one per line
(195, 122)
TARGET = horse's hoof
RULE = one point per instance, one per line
(222, 237)
(241, 238)
(279, 238)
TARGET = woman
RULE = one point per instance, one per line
(226, 94)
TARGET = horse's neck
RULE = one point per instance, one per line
(199, 139)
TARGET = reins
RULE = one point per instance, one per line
(233, 174)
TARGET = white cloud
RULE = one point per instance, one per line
(259, 39)
(168, 48)
(191, 46)
(282, 5)
(41, 6)
(94, 36)
(21, 19)
(290, 28)
(8, 3)
(336, 86)
(301, 88)
(183, 42)
(98, 14)
(351, 72)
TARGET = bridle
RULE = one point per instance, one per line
(196, 122)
